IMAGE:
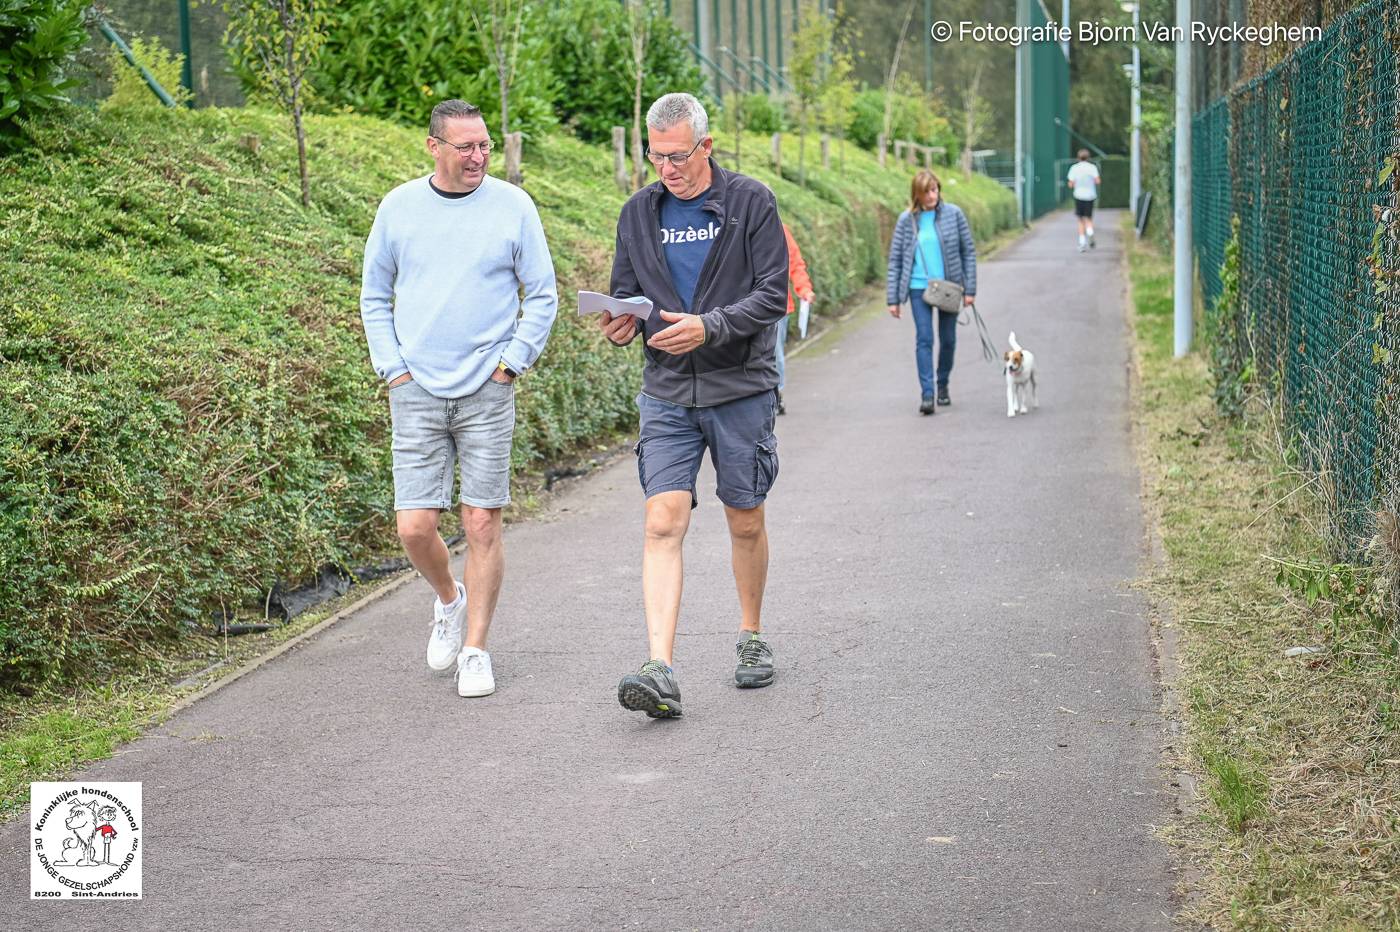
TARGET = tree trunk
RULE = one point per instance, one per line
(639, 171)
(301, 149)
(971, 96)
(802, 145)
(894, 66)
(637, 27)
(504, 82)
(294, 93)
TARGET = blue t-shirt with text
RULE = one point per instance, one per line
(687, 232)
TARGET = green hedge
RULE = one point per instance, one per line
(188, 412)
(1115, 171)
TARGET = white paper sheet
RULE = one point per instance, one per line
(591, 302)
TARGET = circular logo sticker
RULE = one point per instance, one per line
(86, 840)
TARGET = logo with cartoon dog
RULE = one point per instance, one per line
(86, 840)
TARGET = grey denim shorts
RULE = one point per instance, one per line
(738, 434)
(432, 434)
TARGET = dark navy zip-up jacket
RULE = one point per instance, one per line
(740, 296)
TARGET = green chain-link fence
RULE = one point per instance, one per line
(213, 82)
(1044, 118)
(1211, 206)
(1305, 156)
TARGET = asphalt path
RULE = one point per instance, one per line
(964, 732)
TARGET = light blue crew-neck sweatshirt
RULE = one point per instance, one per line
(440, 296)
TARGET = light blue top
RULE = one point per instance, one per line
(440, 292)
(928, 248)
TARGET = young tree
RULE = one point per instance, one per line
(894, 67)
(808, 69)
(736, 107)
(976, 116)
(837, 103)
(278, 40)
(638, 30)
(500, 40)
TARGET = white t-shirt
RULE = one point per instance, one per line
(1085, 176)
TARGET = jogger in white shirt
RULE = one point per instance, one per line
(1084, 181)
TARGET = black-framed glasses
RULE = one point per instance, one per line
(467, 148)
(676, 158)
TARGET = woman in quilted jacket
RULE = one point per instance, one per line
(942, 249)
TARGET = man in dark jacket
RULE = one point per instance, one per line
(706, 246)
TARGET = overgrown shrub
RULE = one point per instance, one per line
(1227, 337)
(397, 59)
(129, 88)
(910, 118)
(763, 114)
(591, 57)
(184, 418)
(38, 39)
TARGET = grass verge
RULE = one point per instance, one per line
(1296, 753)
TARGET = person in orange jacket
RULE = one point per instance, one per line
(801, 283)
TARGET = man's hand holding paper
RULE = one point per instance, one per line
(619, 316)
(619, 330)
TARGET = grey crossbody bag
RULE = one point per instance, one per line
(939, 293)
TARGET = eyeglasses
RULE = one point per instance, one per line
(676, 158)
(467, 148)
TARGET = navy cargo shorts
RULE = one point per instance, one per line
(739, 435)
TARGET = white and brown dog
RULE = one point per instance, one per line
(1020, 379)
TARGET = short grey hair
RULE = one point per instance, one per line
(671, 109)
(450, 110)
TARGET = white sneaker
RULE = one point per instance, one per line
(446, 638)
(474, 676)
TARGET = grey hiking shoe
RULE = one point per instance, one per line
(755, 663)
(652, 690)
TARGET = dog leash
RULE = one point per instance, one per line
(989, 350)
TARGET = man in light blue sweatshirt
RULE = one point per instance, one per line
(445, 266)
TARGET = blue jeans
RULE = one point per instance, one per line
(782, 326)
(432, 435)
(923, 345)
